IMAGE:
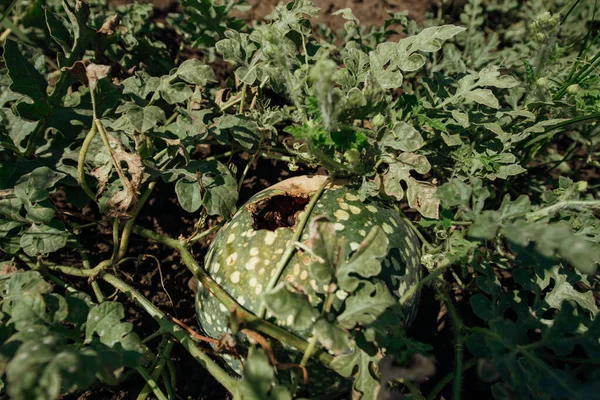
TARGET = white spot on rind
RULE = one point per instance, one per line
(387, 228)
(341, 215)
(270, 238)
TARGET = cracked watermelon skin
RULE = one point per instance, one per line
(242, 260)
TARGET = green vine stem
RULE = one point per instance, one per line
(414, 390)
(447, 379)
(8, 10)
(425, 281)
(115, 235)
(151, 337)
(87, 265)
(249, 164)
(124, 243)
(562, 205)
(172, 374)
(243, 97)
(549, 130)
(204, 233)
(158, 368)
(289, 251)
(151, 383)
(251, 320)
(230, 103)
(81, 162)
(458, 343)
(167, 382)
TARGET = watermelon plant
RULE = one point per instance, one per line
(406, 210)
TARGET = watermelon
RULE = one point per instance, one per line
(245, 252)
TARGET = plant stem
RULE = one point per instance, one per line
(447, 379)
(230, 103)
(152, 336)
(563, 205)
(172, 374)
(251, 320)
(548, 132)
(418, 233)
(204, 233)
(115, 235)
(81, 162)
(167, 382)
(414, 288)
(574, 360)
(218, 156)
(162, 360)
(414, 390)
(8, 10)
(287, 254)
(248, 165)
(243, 97)
(124, 243)
(277, 157)
(314, 338)
(458, 343)
(172, 118)
(151, 383)
(87, 265)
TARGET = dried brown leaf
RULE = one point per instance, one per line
(110, 25)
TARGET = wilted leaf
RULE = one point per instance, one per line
(421, 197)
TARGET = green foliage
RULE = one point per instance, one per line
(55, 344)
(482, 119)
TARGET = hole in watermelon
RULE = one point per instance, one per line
(278, 211)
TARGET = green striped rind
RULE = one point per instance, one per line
(242, 259)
